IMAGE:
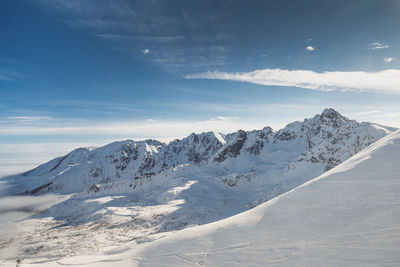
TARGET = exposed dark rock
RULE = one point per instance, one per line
(38, 189)
(285, 136)
(58, 163)
(94, 188)
(256, 148)
(233, 148)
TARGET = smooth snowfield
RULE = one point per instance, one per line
(348, 216)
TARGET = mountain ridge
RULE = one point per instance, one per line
(327, 138)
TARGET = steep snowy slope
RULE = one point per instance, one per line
(348, 216)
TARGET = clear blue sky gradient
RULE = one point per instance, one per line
(96, 63)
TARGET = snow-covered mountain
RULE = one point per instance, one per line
(348, 216)
(321, 142)
(134, 191)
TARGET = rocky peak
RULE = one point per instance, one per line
(153, 142)
(267, 130)
(330, 112)
(331, 117)
(196, 148)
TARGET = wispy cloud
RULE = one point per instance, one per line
(222, 118)
(383, 81)
(168, 31)
(369, 112)
(389, 115)
(12, 70)
(142, 129)
(4, 77)
(24, 119)
(10, 75)
(388, 59)
(142, 38)
(378, 45)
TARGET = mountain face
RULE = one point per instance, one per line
(137, 190)
(322, 142)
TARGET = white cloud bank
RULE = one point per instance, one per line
(382, 81)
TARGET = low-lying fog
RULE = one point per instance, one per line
(14, 212)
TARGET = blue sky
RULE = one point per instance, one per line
(89, 72)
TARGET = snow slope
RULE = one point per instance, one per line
(348, 216)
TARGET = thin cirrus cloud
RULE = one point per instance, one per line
(24, 119)
(143, 38)
(9, 75)
(378, 45)
(155, 25)
(4, 77)
(383, 81)
(149, 128)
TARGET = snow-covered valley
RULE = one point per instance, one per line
(130, 195)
